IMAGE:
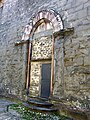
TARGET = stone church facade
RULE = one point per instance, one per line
(45, 48)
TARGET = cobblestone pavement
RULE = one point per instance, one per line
(4, 114)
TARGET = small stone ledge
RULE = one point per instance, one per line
(11, 97)
(64, 32)
(38, 60)
(21, 42)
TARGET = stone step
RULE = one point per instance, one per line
(39, 109)
(38, 98)
(39, 103)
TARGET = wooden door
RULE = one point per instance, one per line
(46, 80)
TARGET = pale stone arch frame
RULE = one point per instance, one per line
(51, 15)
(35, 21)
(2, 3)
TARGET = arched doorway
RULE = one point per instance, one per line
(41, 75)
(40, 70)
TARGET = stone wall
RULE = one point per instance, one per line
(71, 56)
(59, 68)
(35, 78)
(42, 48)
(72, 53)
(77, 66)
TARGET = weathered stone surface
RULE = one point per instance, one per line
(42, 48)
(87, 60)
(72, 61)
(35, 78)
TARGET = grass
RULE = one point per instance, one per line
(31, 115)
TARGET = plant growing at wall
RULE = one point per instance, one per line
(30, 115)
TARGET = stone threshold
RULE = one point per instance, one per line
(40, 60)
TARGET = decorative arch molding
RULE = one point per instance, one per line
(1, 3)
(38, 18)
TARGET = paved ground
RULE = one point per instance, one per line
(4, 114)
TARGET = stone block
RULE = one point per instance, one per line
(80, 7)
(72, 17)
(78, 61)
(82, 46)
(84, 86)
(88, 10)
(70, 1)
(67, 42)
(75, 47)
(85, 22)
(68, 62)
(87, 60)
(79, 53)
(87, 4)
(70, 53)
(72, 86)
(68, 6)
(88, 77)
(84, 51)
(82, 13)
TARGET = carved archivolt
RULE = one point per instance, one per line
(43, 16)
(1, 3)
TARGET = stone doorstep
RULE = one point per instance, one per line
(39, 109)
(38, 98)
(39, 103)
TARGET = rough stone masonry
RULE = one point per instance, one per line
(71, 56)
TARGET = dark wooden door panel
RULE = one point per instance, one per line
(46, 79)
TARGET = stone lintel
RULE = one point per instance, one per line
(40, 60)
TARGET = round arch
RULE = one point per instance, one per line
(38, 18)
(1, 3)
